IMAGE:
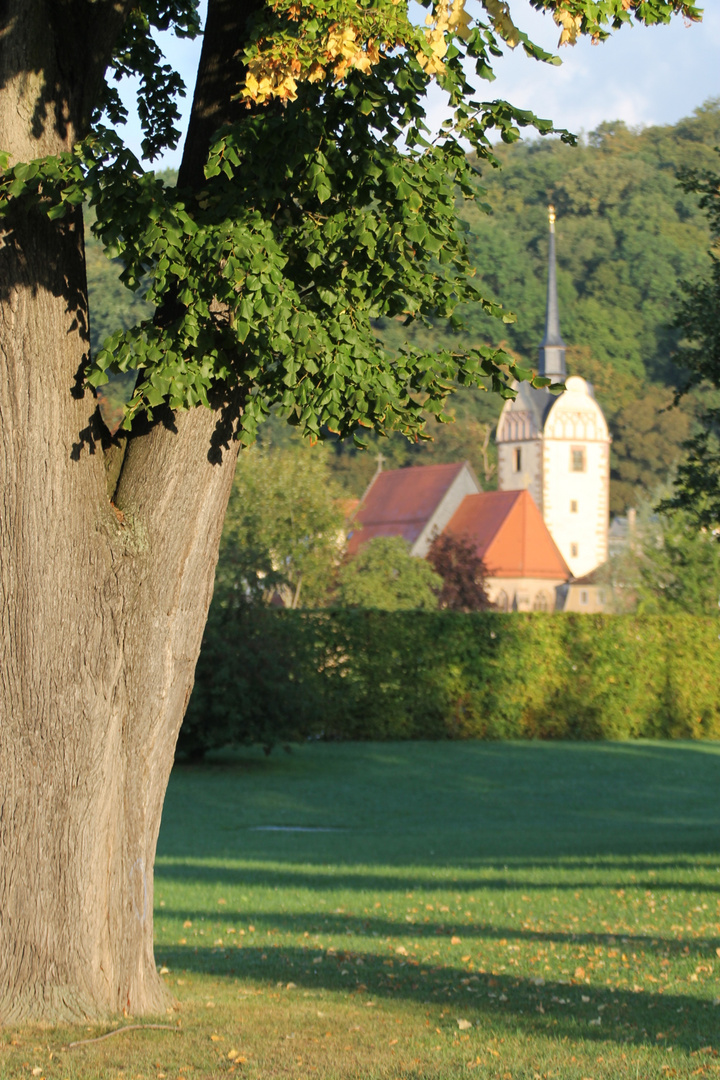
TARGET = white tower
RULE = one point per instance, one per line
(558, 447)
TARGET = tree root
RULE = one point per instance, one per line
(118, 1031)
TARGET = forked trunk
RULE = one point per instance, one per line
(102, 613)
(103, 597)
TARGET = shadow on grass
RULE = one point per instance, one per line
(334, 924)
(343, 877)
(555, 1010)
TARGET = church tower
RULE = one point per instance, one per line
(558, 447)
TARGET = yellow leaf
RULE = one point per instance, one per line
(570, 26)
(500, 14)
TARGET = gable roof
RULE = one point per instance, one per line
(536, 402)
(510, 535)
(401, 502)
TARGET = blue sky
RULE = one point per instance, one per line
(642, 75)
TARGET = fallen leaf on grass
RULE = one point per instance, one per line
(401, 950)
(454, 940)
(464, 1024)
(187, 924)
(215, 1038)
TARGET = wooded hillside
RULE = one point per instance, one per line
(627, 236)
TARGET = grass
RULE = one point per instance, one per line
(444, 910)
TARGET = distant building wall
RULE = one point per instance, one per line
(590, 599)
(523, 594)
(576, 477)
(465, 483)
(520, 467)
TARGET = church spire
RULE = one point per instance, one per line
(552, 347)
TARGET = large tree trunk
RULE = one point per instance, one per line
(103, 604)
(102, 614)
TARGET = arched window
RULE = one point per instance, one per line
(541, 601)
(501, 602)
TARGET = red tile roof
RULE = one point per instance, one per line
(400, 502)
(510, 535)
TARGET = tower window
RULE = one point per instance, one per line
(517, 459)
(573, 506)
(583, 596)
(573, 551)
(577, 459)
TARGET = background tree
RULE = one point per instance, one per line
(296, 221)
(679, 568)
(384, 575)
(282, 532)
(462, 571)
(667, 565)
(697, 488)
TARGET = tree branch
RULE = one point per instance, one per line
(219, 75)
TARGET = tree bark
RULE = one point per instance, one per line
(102, 607)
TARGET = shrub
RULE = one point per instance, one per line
(269, 676)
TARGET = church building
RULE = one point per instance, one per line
(557, 447)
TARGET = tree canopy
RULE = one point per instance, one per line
(323, 207)
(697, 490)
(385, 576)
(463, 573)
(283, 530)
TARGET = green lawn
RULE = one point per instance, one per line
(443, 910)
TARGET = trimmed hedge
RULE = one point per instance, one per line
(269, 676)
